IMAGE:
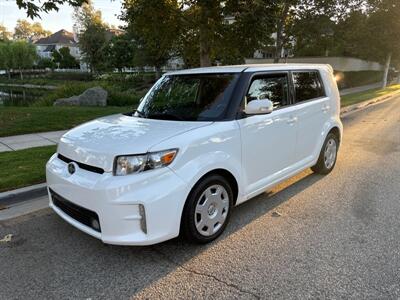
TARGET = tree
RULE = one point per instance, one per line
(92, 34)
(64, 59)
(154, 25)
(5, 35)
(23, 55)
(285, 13)
(384, 27)
(24, 30)
(44, 63)
(38, 31)
(85, 16)
(33, 9)
(93, 44)
(372, 33)
(314, 35)
(121, 51)
(244, 32)
(6, 59)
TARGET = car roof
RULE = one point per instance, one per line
(251, 68)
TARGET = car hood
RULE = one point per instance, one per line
(98, 142)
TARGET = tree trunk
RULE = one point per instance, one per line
(278, 47)
(158, 72)
(386, 71)
(20, 73)
(205, 60)
(9, 74)
(279, 31)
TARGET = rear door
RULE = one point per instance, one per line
(312, 111)
(268, 140)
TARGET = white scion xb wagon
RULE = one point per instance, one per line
(200, 142)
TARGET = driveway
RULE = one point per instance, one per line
(311, 237)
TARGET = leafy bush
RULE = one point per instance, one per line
(359, 78)
(118, 95)
(44, 63)
(77, 76)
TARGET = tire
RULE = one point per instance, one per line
(328, 156)
(207, 210)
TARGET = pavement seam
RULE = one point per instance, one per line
(47, 139)
(4, 144)
(228, 284)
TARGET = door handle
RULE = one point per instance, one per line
(292, 120)
(325, 108)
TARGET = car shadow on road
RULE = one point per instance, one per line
(71, 264)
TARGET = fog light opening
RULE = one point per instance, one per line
(95, 224)
(142, 214)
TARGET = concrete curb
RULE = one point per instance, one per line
(358, 106)
(39, 190)
(23, 194)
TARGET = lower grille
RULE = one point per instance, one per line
(80, 214)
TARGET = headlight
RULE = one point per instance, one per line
(129, 164)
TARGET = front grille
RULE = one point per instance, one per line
(80, 214)
(81, 165)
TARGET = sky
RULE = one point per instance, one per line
(54, 21)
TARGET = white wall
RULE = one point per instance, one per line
(344, 64)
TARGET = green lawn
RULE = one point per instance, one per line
(24, 167)
(370, 94)
(21, 120)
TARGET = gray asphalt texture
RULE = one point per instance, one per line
(336, 236)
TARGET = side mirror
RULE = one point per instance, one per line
(259, 107)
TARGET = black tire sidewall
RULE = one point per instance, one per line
(320, 167)
(188, 226)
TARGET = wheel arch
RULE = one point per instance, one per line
(336, 131)
(227, 175)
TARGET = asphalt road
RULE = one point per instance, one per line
(336, 237)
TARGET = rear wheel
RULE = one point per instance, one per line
(327, 158)
(207, 209)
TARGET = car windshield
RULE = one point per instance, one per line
(198, 97)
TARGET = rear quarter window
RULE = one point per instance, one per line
(307, 85)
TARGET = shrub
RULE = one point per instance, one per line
(358, 78)
(117, 95)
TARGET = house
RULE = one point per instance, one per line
(45, 46)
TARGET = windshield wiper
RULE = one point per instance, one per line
(165, 116)
(139, 113)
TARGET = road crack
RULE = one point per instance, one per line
(210, 276)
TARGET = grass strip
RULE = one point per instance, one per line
(21, 120)
(367, 95)
(23, 167)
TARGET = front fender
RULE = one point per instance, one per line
(205, 149)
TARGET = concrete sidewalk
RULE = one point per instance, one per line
(25, 141)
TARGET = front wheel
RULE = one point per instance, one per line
(207, 209)
(327, 158)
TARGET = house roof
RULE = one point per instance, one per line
(60, 37)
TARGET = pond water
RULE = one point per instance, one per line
(19, 96)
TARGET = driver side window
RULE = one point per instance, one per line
(274, 87)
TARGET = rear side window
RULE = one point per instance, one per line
(273, 87)
(307, 85)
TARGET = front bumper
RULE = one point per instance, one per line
(120, 202)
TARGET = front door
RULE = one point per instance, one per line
(268, 141)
